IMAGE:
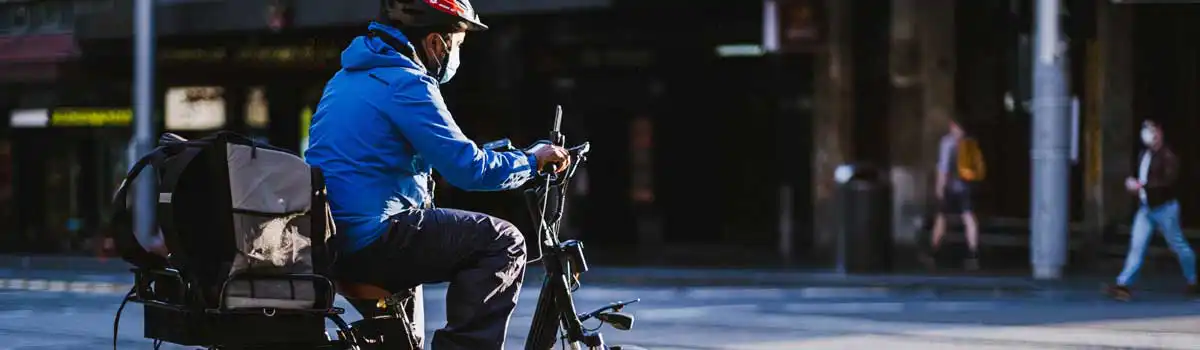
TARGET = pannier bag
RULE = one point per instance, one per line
(240, 218)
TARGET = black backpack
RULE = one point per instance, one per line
(246, 223)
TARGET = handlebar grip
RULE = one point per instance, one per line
(575, 152)
(581, 149)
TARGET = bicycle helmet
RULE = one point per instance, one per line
(429, 13)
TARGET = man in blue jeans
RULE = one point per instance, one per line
(1157, 171)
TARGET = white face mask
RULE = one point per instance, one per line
(450, 65)
(1148, 137)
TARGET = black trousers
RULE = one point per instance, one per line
(483, 258)
(956, 199)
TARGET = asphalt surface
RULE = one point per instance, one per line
(48, 313)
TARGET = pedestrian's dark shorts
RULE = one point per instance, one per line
(956, 199)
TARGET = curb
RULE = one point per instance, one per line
(115, 271)
(766, 278)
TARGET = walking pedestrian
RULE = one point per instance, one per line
(1154, 185)
(960, 165)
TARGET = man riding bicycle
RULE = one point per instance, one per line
(379, 131)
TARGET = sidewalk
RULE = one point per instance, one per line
(67, 270)
(72, 269)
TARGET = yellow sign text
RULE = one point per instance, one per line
(91, 117)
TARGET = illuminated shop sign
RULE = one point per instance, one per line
(71, 117)
(91, 117)
(29, 118)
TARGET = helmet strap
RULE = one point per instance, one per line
(407, 51)
(444, 60)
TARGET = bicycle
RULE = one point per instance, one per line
(564, 264)
(389, 318)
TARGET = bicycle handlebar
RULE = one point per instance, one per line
(617, 306)
(580, 150)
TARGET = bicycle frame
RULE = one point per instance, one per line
(563, 262)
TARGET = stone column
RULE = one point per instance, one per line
(235, 108)
(1108, 124)
(936, 32)
(922, 98)
(832, 119)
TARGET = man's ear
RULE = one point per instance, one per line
(434, 45)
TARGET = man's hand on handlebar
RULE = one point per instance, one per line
(548, 154)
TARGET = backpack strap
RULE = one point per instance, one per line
(321, 225)
(122, 228)
(172, 169)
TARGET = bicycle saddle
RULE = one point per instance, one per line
(353, 290)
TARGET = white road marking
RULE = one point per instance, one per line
(887, 307)
(36, 285)
(734, 293)
(844, 308)
(64, 286)
(15, 314)
(841, 292)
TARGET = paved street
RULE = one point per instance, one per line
(50, 315)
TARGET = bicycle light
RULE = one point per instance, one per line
(574, 250)
(619, 320)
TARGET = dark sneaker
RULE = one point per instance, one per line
(971, 264)
(1119, 293)
(1192, 291)
(928, 260)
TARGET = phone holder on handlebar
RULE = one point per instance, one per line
(501, 145)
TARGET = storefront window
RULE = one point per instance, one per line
(305, 121)
(51, 15)
(43, 16)
(312, 96)
(14, 18)
(59, 192)
(257, 108)
(195, 108)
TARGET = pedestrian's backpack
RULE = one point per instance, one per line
(240, 218)
(971, 167)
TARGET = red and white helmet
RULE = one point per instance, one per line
(428, 13)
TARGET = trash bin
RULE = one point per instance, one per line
(865, 218)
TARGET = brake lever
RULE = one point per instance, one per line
(615, 307)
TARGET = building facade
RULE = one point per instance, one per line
(258, 66)
(51, 190)
(717, 127)
(885, 93)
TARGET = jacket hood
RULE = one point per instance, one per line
(368, 52)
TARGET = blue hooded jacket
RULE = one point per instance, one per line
(380, 129)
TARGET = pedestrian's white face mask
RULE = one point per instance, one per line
(1148, 136)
